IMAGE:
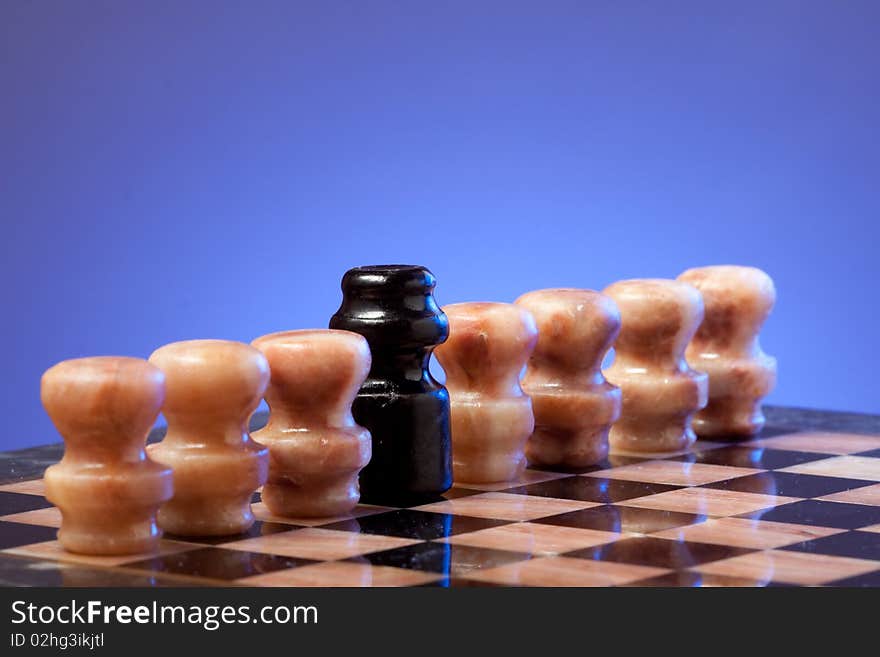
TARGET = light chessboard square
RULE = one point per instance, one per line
(342, 574)
(821, 442)
(319, 544)
(533, 538)
(48, 517)
(505, 506)
(30, 487)
(708, 501)
(865, 495)
(676, 473)
(847, 467)
(747, 533)
(565, 571)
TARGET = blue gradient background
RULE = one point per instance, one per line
(172, 170)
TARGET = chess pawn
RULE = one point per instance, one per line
(660, 392)
(211, 389)
(315, 448)
(726, 347)
(106, 488)
(404, 408)
(488, 346)
(574, 405)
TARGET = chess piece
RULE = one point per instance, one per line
(315, 448)
(660, 392)
(405, 410)
(488, 346)
(574, 404)
(211, 389)
(107, 489)
(726, 347)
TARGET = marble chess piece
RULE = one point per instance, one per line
(315, 448)
(661, 392)
(488, 346)
(737, 302)
(574, 405)
(211, 389)
(106, 488)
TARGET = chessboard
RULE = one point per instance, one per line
(797, 506)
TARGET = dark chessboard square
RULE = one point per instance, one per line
(772, 432)
(443, 558)
(658, 552)
(742, 456)
(874, 453)
(680, 579)
(610, 518)
(409, 501)
(217, 563)
(259, 528)
(610, 461)
(406, 523)
(789, 484)
(871, 580)
(858, 545)
(591, 489)
(690, 578)
(19, 503)
(16, 534)
(821, 514)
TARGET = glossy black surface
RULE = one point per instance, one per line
(259, 528)
(689, 579)
(751, 457)
(407, 523)
(592, 489)
(789, 484)
(405, 409)
(445, 558)
(611, 518)
(858, 545)
(866, 580)
(18, 503)
(821, 514)
(16, 534)
(218, 563)
(659, 552)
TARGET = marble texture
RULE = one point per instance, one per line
(487, 348)
(574, 405)
(737, 302)
(315, 448)
(107, 489)
(660, 391)
(212, 388)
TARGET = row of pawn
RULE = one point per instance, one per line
(686, 353)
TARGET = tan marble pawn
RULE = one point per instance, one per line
(660, 392)
(574, 404)
(488, 346)
(106, 488)
(726, 347)
(315, 448)
(212, 388)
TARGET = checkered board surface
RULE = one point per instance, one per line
(798, 509)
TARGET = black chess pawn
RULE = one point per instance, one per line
(405, 409)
